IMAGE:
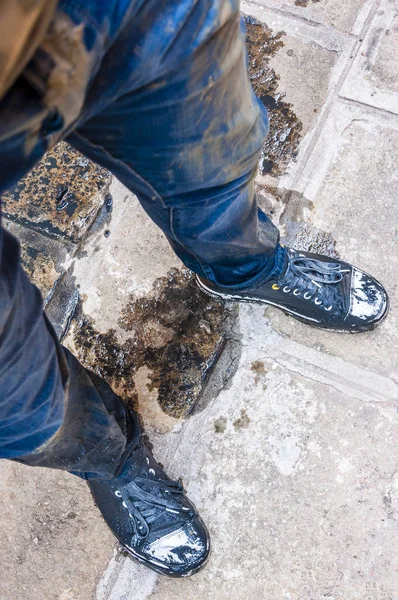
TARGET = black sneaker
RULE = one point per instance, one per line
(318, 290)
(152, 518)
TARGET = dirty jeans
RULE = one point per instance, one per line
(169, 109)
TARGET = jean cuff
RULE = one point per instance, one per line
(279, 261)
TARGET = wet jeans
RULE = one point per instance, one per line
(169, 109)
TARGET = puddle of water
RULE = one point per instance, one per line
(285, 130)
(176, 332)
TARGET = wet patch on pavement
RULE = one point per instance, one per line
(63, 304)
(291, 211)
(176, 332)
(220, 425)
(61, 196)
(43, 258)
(41, 269)
(305, 3)
(304, 236)
(258, 367)
(298, 232)
(243, 422)
(285, 129)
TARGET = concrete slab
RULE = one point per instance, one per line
(337, 14)
(385, 67)
(351, 183)
(55, 545)
(307, 70)
(296, 480)
(296, 61)
(125, 248)
(61, 196)
(143, 324)
(372, 77)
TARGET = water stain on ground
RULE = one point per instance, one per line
(300, 233)
(285, 129)
(304, 236)
(61, 196)
(220, 425)
(305, 2)
(258, 367)
(260, 370)
(41, 268)
(291, 210)
(176, 332)
(243, 422)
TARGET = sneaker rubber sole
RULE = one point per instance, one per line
(307, 320)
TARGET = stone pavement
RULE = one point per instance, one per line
(286, 437)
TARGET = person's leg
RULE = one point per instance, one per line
(180, 61)
(33, 370)
(56, 414)
(53, 412)
(187, 144)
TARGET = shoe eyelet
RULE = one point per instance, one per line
(286, 289)
(317, 302)
(307, 296)
(329, 308)
(276, 287)
(296, 292)
(118, 494)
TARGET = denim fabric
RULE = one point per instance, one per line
(158, 92)
(97, 433)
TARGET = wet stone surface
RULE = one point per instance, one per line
(291, 210)
(305, 2)
(298, 231)
(43, 258)
(304, 236)
(176, 332)
(61, 196)
(285, 129)
(41, 269)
